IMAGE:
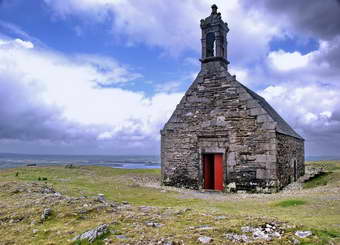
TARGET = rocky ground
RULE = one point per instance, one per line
(66, 208)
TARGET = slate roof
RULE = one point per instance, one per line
(282, 126)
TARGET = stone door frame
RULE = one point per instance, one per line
(206, 146)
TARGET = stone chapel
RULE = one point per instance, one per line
(222, 135)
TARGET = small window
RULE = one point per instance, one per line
(211, 43)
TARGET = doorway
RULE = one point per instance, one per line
(213, 171)
(295, 171)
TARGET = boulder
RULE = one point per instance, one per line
(92, 235)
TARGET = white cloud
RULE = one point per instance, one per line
(174, 25)
(240, 73)
(171, 86)
(309, 109)
(285, 61)
(72, 88)
(25, 44)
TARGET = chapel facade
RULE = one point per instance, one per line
(222, 135)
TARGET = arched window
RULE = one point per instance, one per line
(211, 44)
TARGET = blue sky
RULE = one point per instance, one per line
(103, 76)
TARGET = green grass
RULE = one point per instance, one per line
(320, 180)
(317, 210)
(290, 203)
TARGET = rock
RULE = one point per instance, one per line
(303, 234)
(35, 231)
(107, 241)
(101, 198)
(57, 194)
(92, 235)
(220, 217)
(247, 229)
(46, 213)
(231, 187)
(276, 234)
(237, 238)
(121, 237)
(204, 227)
(295, 241)
(153, 224)
(205, 239)
(260, 234)
(47, 190)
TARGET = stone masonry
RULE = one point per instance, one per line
(219, 115)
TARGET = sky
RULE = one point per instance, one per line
(103, 76)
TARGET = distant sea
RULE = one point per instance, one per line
(9, 160)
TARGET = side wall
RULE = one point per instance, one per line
(290, 153)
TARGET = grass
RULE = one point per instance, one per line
(331, 175)
(290, 203)
(320, 180)
(317, 210)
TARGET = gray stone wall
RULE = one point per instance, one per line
(218, 115)
(290, 152)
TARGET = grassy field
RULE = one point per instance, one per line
(137, 200)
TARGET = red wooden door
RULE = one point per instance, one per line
(218, 172)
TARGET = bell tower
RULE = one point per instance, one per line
(214, 38)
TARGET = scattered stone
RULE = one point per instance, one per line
(205, 239)
(46, 213)
(47, 190)
(204, 227)
(231, 187)
(183, 211)
(125, 202)
(237, 237)
(247, 229)
(261, 234)
(265, 232)
(57, 194)
(107, 241)
(153, 224)
(92, 235)
(121, 237)
(101, 198)
(35, 231)
(303, 234)
(220, 217)
(295, 241)
(145, 208)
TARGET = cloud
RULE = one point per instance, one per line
(298, 85)
(285, 61)
(302, 86)
(311, 17)
(171, 86)
(173, 25)
(313, 110)
(49, 97)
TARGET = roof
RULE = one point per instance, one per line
(282, 126)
